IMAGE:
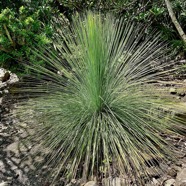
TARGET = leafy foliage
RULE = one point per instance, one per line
(143, 11)
(39, 14)
(94, 108)
(19, 31)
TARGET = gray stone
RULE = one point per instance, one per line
(73, 181)
(13, 79)
(181, 178)
(91, 183)
(69, 184)
(2, 73)
(2, 166)
(177, 168)
(6, 76)
(1, 101)
(155, 181)
(182, 94)
(170, 182)
(114, 182)
(13, 147)
(172, 90)
(172, 172)
(60, 73)
(4, 183)
(118, 182)
(183, 165)
(3, 85)
(5, 91)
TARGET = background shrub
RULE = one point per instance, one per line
(33, 23)
(144, 11)
(20, 28)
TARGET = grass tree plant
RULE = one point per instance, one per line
(96, 107)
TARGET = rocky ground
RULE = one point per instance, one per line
(16, 165)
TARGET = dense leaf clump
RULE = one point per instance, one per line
(19, 30)
(95, 107)
(25, 23)
(143, 11)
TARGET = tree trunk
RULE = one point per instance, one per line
(175, 21)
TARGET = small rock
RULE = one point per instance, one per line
(60, 73)
(3, 85)
(4, 184)
(91, 183)
(69, 184)
(73, 181)
(170, 182)
(5, 91)
(114, 181)
(9, 179)
(179, 163)
(13, 147)
(6, 76)
(2, 166)
(182, 94)
(22, 124)
(1, 101)
(13, 79)
(2, 73)
(172, 172)
(181, 178)
(177, 168)
(118, 182)
(183, 165)
(155, 181)
(172, 90)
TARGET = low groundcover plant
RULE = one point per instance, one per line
(96, 107)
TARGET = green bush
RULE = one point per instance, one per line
(147, 12)
(94, 109)
(33, 24)
(18, 32)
